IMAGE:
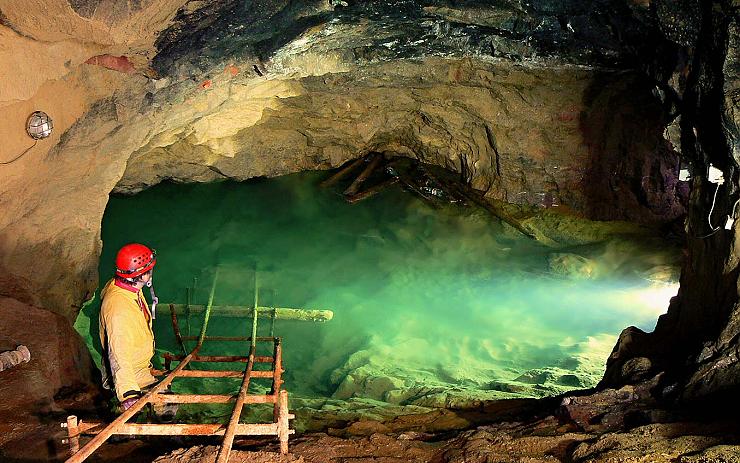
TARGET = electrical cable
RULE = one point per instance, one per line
(734, 208)
(707, 236)
(709, 218)
(4, 163)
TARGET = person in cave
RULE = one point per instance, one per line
(126, 325)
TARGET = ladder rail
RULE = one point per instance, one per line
(156, 395)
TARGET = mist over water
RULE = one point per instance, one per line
(426, 302)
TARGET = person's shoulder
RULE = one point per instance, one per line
(117, 312)
(114, 301)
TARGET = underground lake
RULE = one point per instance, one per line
(433, 307)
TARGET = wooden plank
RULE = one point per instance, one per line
(225, 450)
(219, 358)
(203, 373)
(217, 373)
(283, 427)
(372, 191)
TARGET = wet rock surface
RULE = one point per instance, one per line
(524, 432)
(240, 127)
(611, 33)
(696, 342)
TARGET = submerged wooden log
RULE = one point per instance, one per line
(372, 191)
(463, 191)
(498, 212)
(374, 162)
(279, 313)
(409, 182)
(342, 173)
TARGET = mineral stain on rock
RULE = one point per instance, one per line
(116, 63)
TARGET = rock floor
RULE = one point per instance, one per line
(655, 443)
(609, 426)
(623, 425)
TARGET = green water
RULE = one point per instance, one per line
(431, 306)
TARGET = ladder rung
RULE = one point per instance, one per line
(232, 338)
(134, 429)
(216, 373)
(210, 399)
(221, 358)
(203, 373)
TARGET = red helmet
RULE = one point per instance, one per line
(134, 259)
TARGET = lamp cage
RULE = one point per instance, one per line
(39, 125)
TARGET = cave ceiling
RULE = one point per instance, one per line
(608, 33)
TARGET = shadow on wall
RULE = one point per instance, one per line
(634, 171)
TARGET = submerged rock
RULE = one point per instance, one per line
(552, 377)
(572, 266)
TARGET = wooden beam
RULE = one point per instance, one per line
(225, 450)
(218, 358)
(342, 172)
(352, 189)
(372, 191)
(280, 313)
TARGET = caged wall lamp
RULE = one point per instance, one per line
(39, 125)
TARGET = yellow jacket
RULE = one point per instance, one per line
(127, 339)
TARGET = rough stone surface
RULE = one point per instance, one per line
(59, 358)
(60, 369)
(716, 454)
(526, 135)
(520, 434)
(605, 410)
(697, 342)
(50, 225)
(614, 33)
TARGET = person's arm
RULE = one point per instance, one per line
(120, 347)
(126, 404)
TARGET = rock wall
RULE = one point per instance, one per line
(59, 359)
(51, 207)
(525, 135)
(696, 344)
